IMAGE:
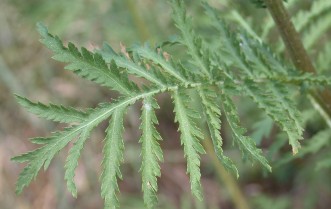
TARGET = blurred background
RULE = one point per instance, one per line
(26, 68)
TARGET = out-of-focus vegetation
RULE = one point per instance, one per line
(302, 181)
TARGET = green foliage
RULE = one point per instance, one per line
(316, 143)
(86, 64)
(151, 152)
(315, 23)
(190, 136)
(323, 61)
(212, 113)
(245, 144)
(304, 19)
(52, 112)
(312, 23)
(112, 158)
(189, 38)
(72, 161)
(253, 59)
(240, 66)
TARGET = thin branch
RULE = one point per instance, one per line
(238, 198)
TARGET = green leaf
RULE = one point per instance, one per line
(194, 43)
(112, 158)
(157, 58)
(278, 97)
(311, 23)
(314, 145)
(86, 64)
(121, 61)
(212, 112)
(243, 66)
(229, 46)
(245, 143)
(315, 31)
(72, 161)
(52, 112)
(190, 136)
(304, 18)
(279, 107)
(262, 128)
(42, 156)
(151, 152)
(310, 80)
(273, 97)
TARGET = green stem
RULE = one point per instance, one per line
(290, 36)
(138, 20)
(229, 182)
(297, 51)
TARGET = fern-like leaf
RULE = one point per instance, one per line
(212, 112)
(72, 161)
(151, 152)
(42, 156)
(316, 31)
(308, 79)
(267, 97)
(312, 24)
(282, 113)
(52, 112)
(290, 121)
(189, 38)
(245, 143)
(315, 144)
(156, 58)
(303, 19)
(190, 135)
(109, 55)
(112, 158)
(86, 64)
(243, 67)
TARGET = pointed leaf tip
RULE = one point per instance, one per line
(18, 97)
(42, 29)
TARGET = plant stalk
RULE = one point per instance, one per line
(229, 182)
(297, 52)
(138, 20)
